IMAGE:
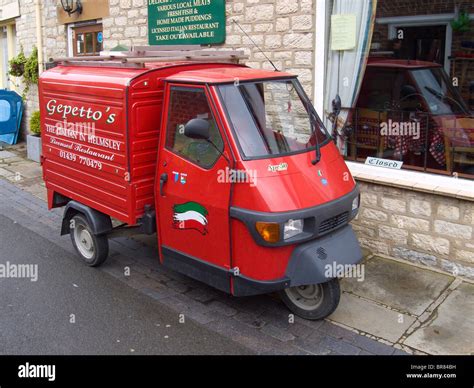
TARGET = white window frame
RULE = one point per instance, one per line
(321, 34)
(442, 19)
(70, 28)
(427, 182)
(70, 40)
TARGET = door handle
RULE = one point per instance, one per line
(163, 180)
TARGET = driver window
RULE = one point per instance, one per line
(186, 104)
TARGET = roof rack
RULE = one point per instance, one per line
(138, 56)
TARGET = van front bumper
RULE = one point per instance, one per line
(318, 220)
(312, 262)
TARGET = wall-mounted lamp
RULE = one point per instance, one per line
(68, 6)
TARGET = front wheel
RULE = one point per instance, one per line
(91, 248)
(315, 301)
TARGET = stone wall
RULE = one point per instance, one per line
(426, 228)
(283, 29)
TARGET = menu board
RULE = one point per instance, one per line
(184, 22)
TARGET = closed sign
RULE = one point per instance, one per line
(378, 162)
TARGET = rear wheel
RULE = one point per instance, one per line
(91, 248)
(315, 301)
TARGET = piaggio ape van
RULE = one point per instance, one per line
(230, 166)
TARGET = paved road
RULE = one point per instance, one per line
(110, 307)
(110, 317)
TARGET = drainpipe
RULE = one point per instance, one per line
(39, 35)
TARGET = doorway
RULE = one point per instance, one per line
(4, 79)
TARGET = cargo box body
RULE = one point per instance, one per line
(100, 134)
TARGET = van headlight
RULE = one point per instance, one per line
(292, 228)
(355, 203)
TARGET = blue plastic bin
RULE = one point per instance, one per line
(11, 112)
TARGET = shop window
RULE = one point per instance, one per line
(412, 114)
(417, 105)
(186, 104)
(87, 40)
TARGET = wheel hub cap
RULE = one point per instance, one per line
(84, 242)
(306, 297)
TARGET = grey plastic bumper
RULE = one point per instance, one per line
(314, 261)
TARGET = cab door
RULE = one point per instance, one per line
(192, 194)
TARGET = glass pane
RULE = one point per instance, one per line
(187, 104)
(457, 137)
(80, 44)
(414, 115)
(270, 118)
(90, 43)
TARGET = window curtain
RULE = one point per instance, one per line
(345, 69)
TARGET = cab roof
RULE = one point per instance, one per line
(182, 71)
(226, 75)
(400, 63)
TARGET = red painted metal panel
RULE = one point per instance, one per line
(84, 136)
(101, 131)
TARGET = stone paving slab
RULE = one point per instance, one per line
(371, 318)
(6, 154)
(26, 169)
(395, 284)
(5, 173)
(451, 329)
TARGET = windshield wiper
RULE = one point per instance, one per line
(435, 93)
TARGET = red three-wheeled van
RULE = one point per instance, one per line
(230, 167)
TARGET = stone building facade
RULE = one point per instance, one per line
(402, 218)
(283, 30)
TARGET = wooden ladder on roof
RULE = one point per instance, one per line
(138, 56)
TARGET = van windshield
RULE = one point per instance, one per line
(438, 93)
(272, 118)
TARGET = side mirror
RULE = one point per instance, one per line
(197, 129)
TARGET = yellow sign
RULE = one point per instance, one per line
(343, 32)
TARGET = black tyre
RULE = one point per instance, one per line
(313, 302)
(91, 248)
